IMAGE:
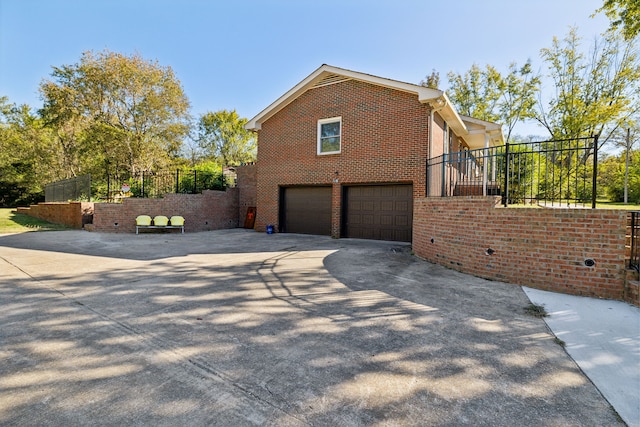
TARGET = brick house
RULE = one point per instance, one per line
(344, 153)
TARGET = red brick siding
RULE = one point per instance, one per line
(632, 294)
(437, 147)
(247, 176)
(71, 214)
(540, 248)
(384, 139)
(211, 210)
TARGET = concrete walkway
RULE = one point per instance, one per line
(603, 337)
(242, 328)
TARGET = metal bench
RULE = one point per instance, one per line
(159, 222)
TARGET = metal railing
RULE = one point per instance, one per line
(634, 259)
(157, 184)
(558, 172)
(78, 188)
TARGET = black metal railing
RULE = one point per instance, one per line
(634, 259)
(559, 172)
(157, 184)
(78, 188)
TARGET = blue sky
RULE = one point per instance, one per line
(243, 54)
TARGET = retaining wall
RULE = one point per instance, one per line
(247, 175)
(211, 210)
(549, 249)
(72, 214)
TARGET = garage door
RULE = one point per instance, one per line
(306, 210)
(381, 212)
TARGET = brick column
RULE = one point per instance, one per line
(336, 208)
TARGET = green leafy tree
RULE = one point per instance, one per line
(205, 175)
(487, 95)
(594, 93)
(25, 155)
(624, 14)
(432, 81)
(626, 138)
(115, 112)
(611, 176)
(517, 104)
(477, 92)
(223, 138)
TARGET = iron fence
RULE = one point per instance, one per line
(78, 188)
(157, 184)
(558, 172)
(634, 259)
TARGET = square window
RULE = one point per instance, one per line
(329, 135)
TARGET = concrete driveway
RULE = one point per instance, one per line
(236, 328)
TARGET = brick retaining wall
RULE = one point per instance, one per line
(541, 248)
(72, 214)
(211, 210)
(247, 175)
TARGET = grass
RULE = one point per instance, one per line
(600, 204)
(617, 205)
(560, 342)
(11, 222)
(536, 310)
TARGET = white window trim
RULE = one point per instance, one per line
(319, 142)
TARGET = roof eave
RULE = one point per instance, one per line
(486, 128)
(424, 94)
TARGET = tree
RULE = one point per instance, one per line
(112, 111)
(625, 138)
(224, 139)
(431, 81)
(25, 155)
(487, 95)
(521, 86)
(477, 92)
(594, 94)
(624, 14)
(611, 176)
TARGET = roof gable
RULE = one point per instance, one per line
(327, 75)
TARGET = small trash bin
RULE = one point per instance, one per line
(269, 229)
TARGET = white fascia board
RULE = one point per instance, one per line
(494, 130)
(451, 116)
(485, 124)
(256, 122)
(424, 94)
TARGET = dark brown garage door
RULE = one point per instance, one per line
(306, 210)
(381, 212)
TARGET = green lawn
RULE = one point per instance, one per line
(612, 205)
(11, 222)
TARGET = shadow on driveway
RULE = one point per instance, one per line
(241, 328)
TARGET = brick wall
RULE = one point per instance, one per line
(384, 140)
(541, 248)
(72, 214)
(247, 176)
(211, 210)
